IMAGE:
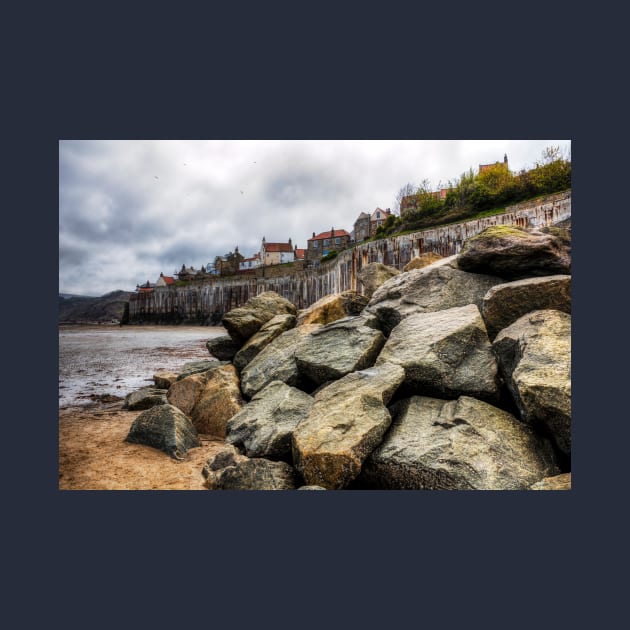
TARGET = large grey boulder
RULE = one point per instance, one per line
(223, 347)
(164, 379)
(534, 355)
(557, 482)
(244, 321)
(445, 353)
(514, 253)
(347, 421)
(185, 393)
(337, 349)
(373, 275)
(422, 260)
(436, 287)
(330, 308)
(264, 427)
(145, 398)
(166, 428)
(505, 303)
(254, 474)
(276, 362)
(462, 444)
(267, 333)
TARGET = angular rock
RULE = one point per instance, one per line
(255, 474)
(513, 253)
(163, 380)
(462, 444)
(185, 393)
(347, 421)
(557, 482)
(276, 362)
(223, 347)
(244, 321)
(436, 287)
(337, 349)
(373, 275)
(421, 261)
(445, 353)
(267, 333)
(166, 428)
(333, 307)
(534, 355)
(264, 427)
(197, 367)
(218, 401)
(145, 398)
(505, 303)
(227, 456)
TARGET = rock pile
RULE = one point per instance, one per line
(455, 375)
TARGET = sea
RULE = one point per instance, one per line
(100, 362)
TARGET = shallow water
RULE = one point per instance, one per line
(114, 360)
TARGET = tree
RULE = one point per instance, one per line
(407, 190)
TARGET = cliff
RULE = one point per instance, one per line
(82, 310)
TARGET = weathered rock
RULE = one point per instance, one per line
(267, 333)
(145, 398)
(337, 349)
(166, 428)
(255, 474)
(373, 275)
(421, 261)
(505, 303)
(436, 287)
(197, 367)
(227, 456)
(513, 253)
(219, 400)
(311, 488)
(163, 380)
(276, 362)
(462, 444)
(244, 321)
(264, 427)
(347, 421)
(445, 353)
(223, 347)
(185, 393)
(557, 482)
(534, 355)
(333, 307)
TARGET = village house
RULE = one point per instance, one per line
(228, 264)
(276, 253)
(361, 229)
(411, 202)
(377, 218)
(485, 167)
(148, 287)
(250, 263)
(164, 281)
(300, 254)
(322, 244)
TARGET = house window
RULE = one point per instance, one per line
(326, 242)
(337, 241)
(315, 244)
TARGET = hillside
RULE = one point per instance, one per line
(108, 307)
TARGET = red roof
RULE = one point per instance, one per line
(300, 253)
(278, 247)
(168, 279)
(327, 235)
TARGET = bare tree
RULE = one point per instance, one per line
(407, 190)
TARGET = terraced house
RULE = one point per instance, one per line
(326, 242)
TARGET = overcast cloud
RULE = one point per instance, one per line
(130, 209)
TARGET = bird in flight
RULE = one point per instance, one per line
(241, 192)
(156, 177)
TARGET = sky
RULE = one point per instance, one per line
(131, 209)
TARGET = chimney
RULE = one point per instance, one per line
(290, 241)
(313, 235)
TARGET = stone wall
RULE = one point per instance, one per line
(204, 303)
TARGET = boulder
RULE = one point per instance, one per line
(244, 321)
(514, 253)
(347, 421)
(337, 349)
(445, 353)
(145, 398)
(436, 287)
(254, 474)
(163, 380)
(264, 427)
(166, 428)
(223, 347)
(505, 303)
(218, 401)
(311, 488)
(184, 393)
(534, 356)
(267, 333)
(462, 444)
(333, 307)
(421, 261)
(373, 275)
(557, 482)
(226, 456)
(197, 367)
(276, 362)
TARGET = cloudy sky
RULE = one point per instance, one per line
(130, 209)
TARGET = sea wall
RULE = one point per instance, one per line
(207, 302)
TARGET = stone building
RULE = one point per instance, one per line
(362, 227)
(164, 281)
(485, 167)
(276, 253)
(322, 244)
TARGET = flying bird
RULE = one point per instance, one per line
(156, 177)
(241, 192)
